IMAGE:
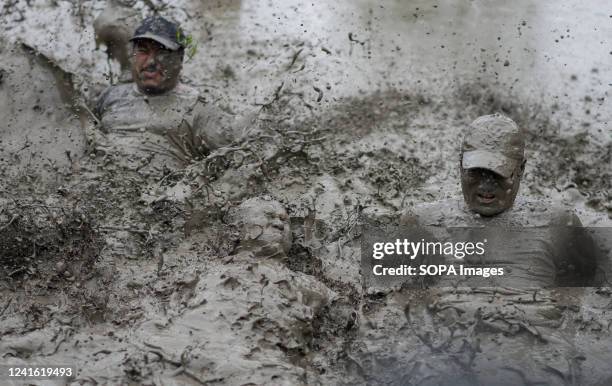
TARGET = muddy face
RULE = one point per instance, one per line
(488, 193)
(155, 69)
(264, 227)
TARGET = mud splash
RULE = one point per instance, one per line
(169, 299)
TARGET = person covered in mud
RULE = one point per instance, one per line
(486, 330)
(156, 119)
(492, 163)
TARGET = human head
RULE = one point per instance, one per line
(263, 226)
(157, 55)
(492, 163)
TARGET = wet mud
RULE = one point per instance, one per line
(140, 279)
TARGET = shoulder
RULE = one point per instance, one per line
(117, 90)
(187, 92)
(564, 216)
(200, 107)
(210, 107)
(113, 93)
(209, 113)
(542, 212)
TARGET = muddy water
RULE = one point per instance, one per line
(558, 52)
(324, 54)
(555, 51)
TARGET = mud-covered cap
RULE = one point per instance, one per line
(160, 30)
(493, 142)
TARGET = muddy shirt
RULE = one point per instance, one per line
(535, 257)
(164, 130)
(492, 328)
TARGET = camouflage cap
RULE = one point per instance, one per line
(493, 142)
(160, 30)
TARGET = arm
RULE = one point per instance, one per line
(94, 134)
(575, 252)
(101, 103)
(214, 128)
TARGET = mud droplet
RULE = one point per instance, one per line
(60, 266)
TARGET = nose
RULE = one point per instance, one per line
(151, 60)
(487, 185)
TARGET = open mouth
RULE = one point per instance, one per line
(486, 198)
(151, 71)
(150, 74)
